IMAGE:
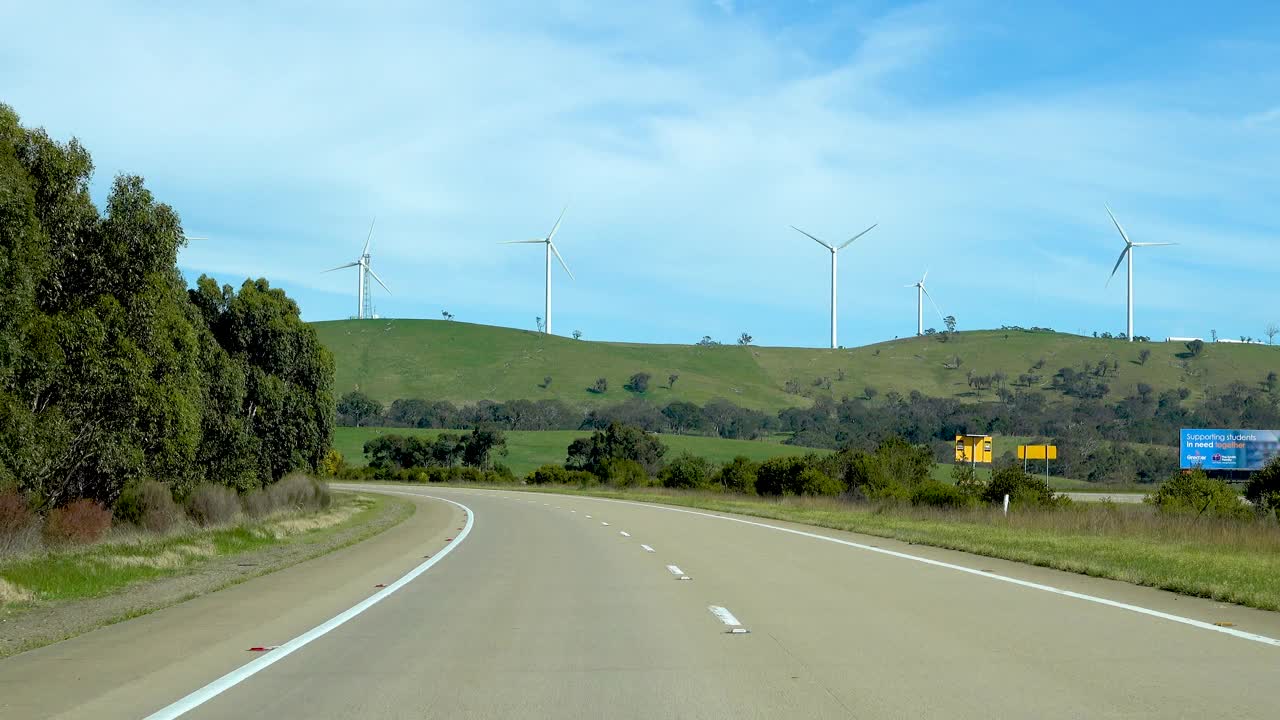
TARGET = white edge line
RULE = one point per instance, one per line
(971, 571)
(248, 670)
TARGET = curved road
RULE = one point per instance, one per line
(571, 607)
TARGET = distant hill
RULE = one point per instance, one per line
(462, 362)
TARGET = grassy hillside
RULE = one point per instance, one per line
(527, 449)
(461, 362)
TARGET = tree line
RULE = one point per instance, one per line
(112, 372)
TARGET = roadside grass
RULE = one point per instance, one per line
(528, 449)
(129, 557)
(1229, 561)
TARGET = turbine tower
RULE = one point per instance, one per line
(1129, 245)
(364, 303)
(550, 248)
(834, 250)
(921, 294)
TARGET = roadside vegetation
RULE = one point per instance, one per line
(129, 402)
(1194, 535)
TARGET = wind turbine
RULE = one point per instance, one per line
(364, 304)
(833, 250)
(551, 248)
(921, 294)
(1129, 245)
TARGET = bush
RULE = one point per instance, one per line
(685, 471)
(149, 506)
(738, 476)
(1023, 489)
(332, 464)
(581, 478)
(19, 527)
(299, 492)
(546, 475)
(940, 494)
(1263, 489)
(779, 475)
(80, 523)
(1195, 493)
(621, 472)
(813, 481)
(212, 504)
(967, 481)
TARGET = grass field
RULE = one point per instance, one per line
(462, 362)
(527, 449)
(1223, 560)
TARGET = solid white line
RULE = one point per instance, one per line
(248, 670)
(725, 616)
(648, 549)
(971, 571)
(674, 570)
(624, 533)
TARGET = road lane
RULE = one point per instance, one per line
(543, 612)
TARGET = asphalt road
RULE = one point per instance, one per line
(553, 606)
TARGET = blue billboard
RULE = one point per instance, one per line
(1227, 449)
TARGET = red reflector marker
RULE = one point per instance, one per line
(380, 585)
(263, 648)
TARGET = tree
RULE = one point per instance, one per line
(1195, 347)
(870, 393)
(671, 380)
(480, 445)
(538, 321)
(577, 334)
(950, 322)
(638, 382)
(600, 386)
(1272, 380)
(744, 339)
(684, 417)
(1263, 489)
(1143, 355)
(357, 407)
(706, 341)
(737, 476)
(685, 471)
(446, 314)
(546, 382)
(617, 441)
(1272, 330)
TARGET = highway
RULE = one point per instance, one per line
(540, 605)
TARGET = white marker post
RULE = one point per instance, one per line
(1006, 503)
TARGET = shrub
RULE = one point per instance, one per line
(685, 471)
(81, 522)
(738, 476)
(622, 472)
(939, 494)
(1023, 489)
(638, 383)
(813, 481)
(546, 475)
(1195, 493)
(149, 506)
(299, 492)
(779, 475)
(19, 527)
(212, 504)
(502, 474)
(332, 464)
(1263, 489)
(967, 481)
(581, 478)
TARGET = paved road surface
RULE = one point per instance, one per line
(1128, 498)
(544, 610)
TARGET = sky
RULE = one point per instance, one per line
(686, 137)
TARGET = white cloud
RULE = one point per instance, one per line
(686, 143)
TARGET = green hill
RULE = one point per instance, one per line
(461, 362)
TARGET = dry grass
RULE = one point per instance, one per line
(11, 594)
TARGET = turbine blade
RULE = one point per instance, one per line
(1153, 244)
(1117, 223)
(375, 277)
(350, 264)
(823, 244)
(1117, 267)
(369, 239)
(557, 225)
(926, 277)
(557, 252)
(521, 242)
(855, 237)
(935, 305)
(189, 237)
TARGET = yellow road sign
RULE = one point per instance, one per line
(973, 448)
(1037, 452)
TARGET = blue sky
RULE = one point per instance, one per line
(983, 137)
